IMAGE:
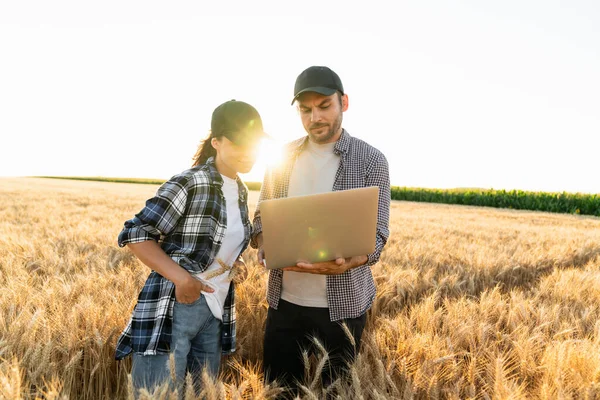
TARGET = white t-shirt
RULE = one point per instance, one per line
(314, 172)
(229, 251)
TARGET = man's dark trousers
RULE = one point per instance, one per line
(289, 330)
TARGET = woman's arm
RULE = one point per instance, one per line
(187, 288)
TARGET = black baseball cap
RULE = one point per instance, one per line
(317, 79)
(238, 122)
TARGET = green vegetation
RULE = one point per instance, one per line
(571, 203)
(251, 185)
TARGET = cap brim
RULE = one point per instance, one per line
(245, 140)
(325, 91)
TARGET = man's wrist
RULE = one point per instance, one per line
(361, 260)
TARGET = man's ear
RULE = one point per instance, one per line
(345, 102)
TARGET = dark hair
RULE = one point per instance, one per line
(204, 152)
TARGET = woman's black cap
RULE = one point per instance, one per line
(238, 122)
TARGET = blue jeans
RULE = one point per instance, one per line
(195, 344)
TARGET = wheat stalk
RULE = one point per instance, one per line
(232, 269)
(471, 303)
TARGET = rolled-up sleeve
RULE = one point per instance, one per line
(378, 174)
(160, 215)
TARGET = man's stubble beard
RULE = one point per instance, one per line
(330, 134)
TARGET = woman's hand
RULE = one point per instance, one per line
(189, 290)
(261, 256)
(261, 252)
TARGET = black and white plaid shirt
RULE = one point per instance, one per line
(188, 218)
(350, 294)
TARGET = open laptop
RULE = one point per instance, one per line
(319, 227)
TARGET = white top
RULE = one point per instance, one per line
(229, 251)
(314, 172)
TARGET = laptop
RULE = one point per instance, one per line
(319, 227)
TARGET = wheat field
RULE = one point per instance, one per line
(472, 303)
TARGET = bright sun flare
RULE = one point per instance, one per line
(270, 153)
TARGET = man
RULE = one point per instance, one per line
(313, 300)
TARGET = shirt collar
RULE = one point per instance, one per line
(215, 176)
(343, 143)
(217, 180)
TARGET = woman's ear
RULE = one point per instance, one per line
(215, 143)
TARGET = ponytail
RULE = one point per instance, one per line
(204, 152)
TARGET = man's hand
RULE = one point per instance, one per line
(335, 267)
(189, 290)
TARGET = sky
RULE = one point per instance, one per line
(487, 94)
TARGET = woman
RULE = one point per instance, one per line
(196, 225)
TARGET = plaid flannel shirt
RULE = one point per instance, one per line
(188, 218)
(350, 294)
